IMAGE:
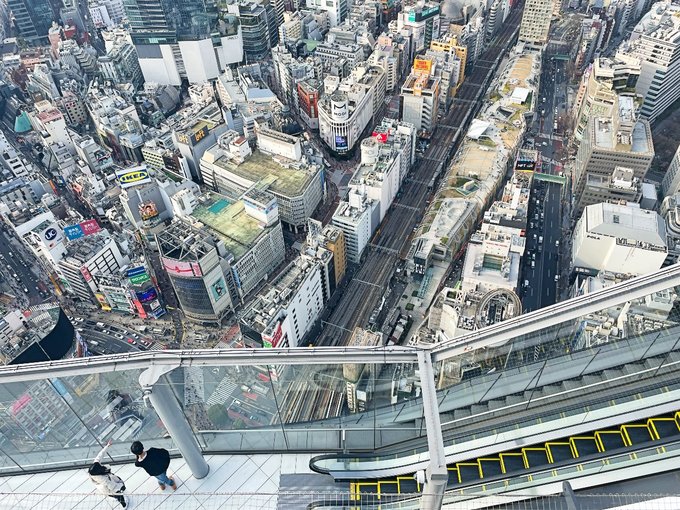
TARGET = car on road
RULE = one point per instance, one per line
(119, 336)
(131, 341)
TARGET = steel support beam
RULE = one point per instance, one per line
(436, 474)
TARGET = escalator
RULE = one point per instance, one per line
(626, 440)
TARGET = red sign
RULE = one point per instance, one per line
(90, 227)
(274, 340)
(196, 268)
(21, 402)
(381, 137)
(86, 274)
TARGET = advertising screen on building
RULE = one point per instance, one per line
(178, 268)
(90, 227)
(525, 165)
(218, 289)
(134, 176)
(147, 296)
(148, 210)
(274, 340)
(340, 142)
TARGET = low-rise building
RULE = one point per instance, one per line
(619, 237)
(281, 164)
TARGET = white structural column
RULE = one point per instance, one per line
(436, 473)
(157, 389)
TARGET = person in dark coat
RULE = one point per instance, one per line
(154, 461)
(107, 483)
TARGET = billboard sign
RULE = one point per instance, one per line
(218, 289)
(51, 235)
(134, 176)
(84, 228)
(73, 232)
(86, 274)
(135, 271)
(138, 279)
(179, 268)
(422, 66)
(525, 165)
(148, 210)
(148, 295)
(340, 142)
(90, 227)
(274, 340)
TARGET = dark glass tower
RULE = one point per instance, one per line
(33, 19)
(170, 21)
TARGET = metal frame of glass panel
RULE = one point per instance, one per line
(154, 365)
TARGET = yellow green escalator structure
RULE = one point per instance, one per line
(565, 450)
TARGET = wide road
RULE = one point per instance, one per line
(393, 237)
(390, 243)
(547, 207)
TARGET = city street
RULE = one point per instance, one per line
(548, 211)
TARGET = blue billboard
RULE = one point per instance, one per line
(135, 271)
(148, 295)
(73, 232)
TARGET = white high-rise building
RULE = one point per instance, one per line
(536, 22)
(656, 42)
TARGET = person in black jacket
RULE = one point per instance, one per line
(155, 461)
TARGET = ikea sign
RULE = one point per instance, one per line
(129, 177)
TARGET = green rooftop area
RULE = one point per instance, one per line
(230, 223)
(260, 167)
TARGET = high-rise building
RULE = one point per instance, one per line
(422, 22)
(611, 143)
(655, 42)
(536, 22)
(671, 181)
(178, 40)
(33, 19)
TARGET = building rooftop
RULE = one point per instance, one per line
(229, 221)
(265, 169)
(626, 221)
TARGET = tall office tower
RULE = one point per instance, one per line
(178, 40)
(613, 157)
(32, 19)
(656, 43)
(260, 28)
(536, 22)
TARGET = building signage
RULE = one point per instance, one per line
(340, 142)
(73, 232)
(422, 66)
(138, 279)
(51, 236)
(129, 177)
(179, 268)
(272, 341)
(218, 289)
(90, 227)
(86, 274)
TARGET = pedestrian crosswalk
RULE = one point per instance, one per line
(223, 392)
(156, 347)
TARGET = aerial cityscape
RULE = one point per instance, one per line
(339, 253)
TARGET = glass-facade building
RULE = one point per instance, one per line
(582, 390)
(33, 19)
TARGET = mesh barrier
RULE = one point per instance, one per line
(333, 501)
